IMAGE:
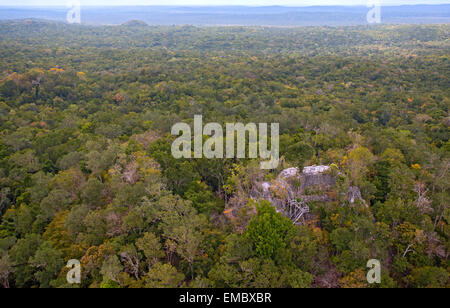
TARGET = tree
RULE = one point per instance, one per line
(181, 227)
(151, 247)
(269, 231)
(203, 199)
(237, 248)
(111, 270)
(180, 173)
(6, 269)
(358, 162)
(296, 278)
(4, 199)
(163, 276)
(354, 280)
(48, 263)
(131, 260)
(71, 181)
(93, 194)
(26, 160)
(57, 234)
(300, 153)
(225, 276)
(429, 277)
(308, 252)
(188, 240)
(21, 254)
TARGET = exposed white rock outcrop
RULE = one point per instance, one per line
(315, 169)
(289, 173)
(293, 190)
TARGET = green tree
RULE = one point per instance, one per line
(269, 231)
(48, 263)
(163, 276)
(111, 270)
(429, 277)
(22, 254)
(151, 247)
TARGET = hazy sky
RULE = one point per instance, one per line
(218, 2)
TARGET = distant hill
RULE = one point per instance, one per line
(237, 15)
(135, 23)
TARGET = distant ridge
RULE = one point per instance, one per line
(236, 15)
(135, 23)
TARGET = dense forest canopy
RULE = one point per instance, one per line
(86, 170)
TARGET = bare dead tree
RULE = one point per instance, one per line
(423, 203)
(408, 249)
(132, 260)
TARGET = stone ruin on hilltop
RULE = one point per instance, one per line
(292, 191)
